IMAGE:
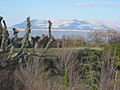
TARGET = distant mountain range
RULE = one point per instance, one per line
(70, 25)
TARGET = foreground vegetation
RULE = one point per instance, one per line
(44, 63)
(86, 69)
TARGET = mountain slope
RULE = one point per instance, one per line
(68, 24)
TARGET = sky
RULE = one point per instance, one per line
(16, 11)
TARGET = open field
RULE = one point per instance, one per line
(54, 51)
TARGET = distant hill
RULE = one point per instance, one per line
(68, 24)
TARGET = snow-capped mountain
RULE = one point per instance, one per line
(70, 25)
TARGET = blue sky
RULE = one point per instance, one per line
(15, 11)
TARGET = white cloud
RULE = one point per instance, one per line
(86, 4)
(111, 4)
(95, 4)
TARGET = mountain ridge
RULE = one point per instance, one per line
(71, 24)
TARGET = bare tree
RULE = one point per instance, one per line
(105, 36)
(72, 41)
